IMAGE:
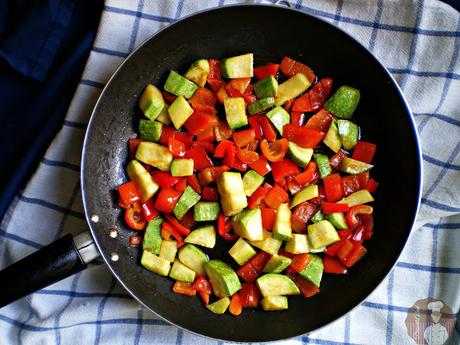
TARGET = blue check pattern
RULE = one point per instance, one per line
(417, 41)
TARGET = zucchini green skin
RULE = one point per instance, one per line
(344, 102)
(323, 164)
(150, 130)
(152, 236)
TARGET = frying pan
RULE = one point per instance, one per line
(270, 32)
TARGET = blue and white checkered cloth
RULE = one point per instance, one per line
(417, 41)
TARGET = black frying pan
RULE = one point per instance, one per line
(270, 33)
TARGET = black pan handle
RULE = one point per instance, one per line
(58, 260)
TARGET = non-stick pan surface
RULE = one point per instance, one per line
(270, 33)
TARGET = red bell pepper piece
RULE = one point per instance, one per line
(350, 184)
(238, 164)
(222, 131)
(293, 185)
(214, 69)
(230, 155)
(149, 211)
(261, 166)
(345, 250)
(352, 215)
(249, 98)
(330, 207)
(268, 217)
(166, 133)
(168, 97)
(206, 136)
(358, 235)
(288, 105)
(364, 151)
(204, 297)
(262, 72)
(283, 169)
(164, 179)
(274, 151)
(244, 137)
(275, 197)
(193, 182)
(252, 269)
(249, 90)
(267, 128)
(178, 226)
(167, 199)
(249, 295)
(176, 147)
(259, 261)
(188, 220)
(303, 136)
(333, 187)
(252, 146)
(372, 185)
(314, 98)
(203, 96)
(303, 212)
(256, 198)
(336, 160)
(300, 262)
(297, 118)
(351, 253)
(353, 183)
(235, 307)
(236, 87)
(167, 230)
(255, 126)
(135, 241)
(285, 253)
(224, 226)
(308, 175)
(133, 143)
(207, 109)
(223, 148)
(134, 218)
(333, 265)
(183, 288)
(222, 94)
(246, 156)
(128, 193)
(283, 184)
(321, 121)
(345, 234)
(367, 222)
(210, 194)
(206, 145)
(215, 84)
(363, 179)
(307, 289)
(210, 175)
(333, 248)
(185, 138)
(290, 67)
(200, 158)
(201, 284)
(298, 227)
(200, 121)
(247, 273)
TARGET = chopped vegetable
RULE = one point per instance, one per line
(262, 162)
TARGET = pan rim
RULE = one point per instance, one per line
(394, 84)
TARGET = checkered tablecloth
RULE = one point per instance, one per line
(417, 41)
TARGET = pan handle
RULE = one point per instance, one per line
(56, 261)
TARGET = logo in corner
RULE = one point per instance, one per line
(430, 321)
